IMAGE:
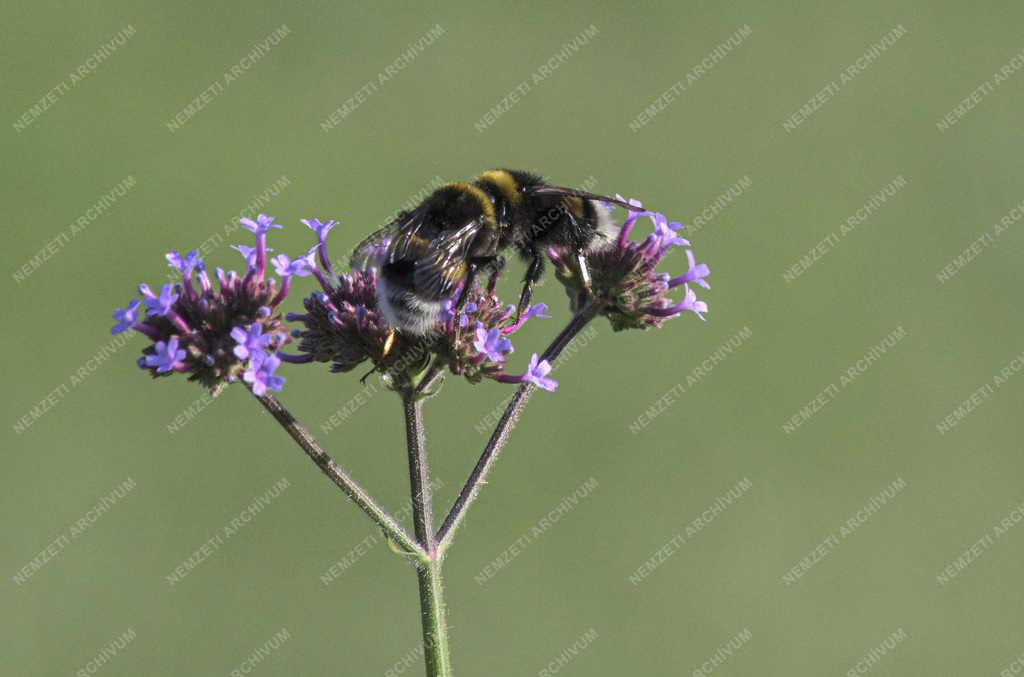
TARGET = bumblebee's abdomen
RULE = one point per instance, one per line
(401, 304)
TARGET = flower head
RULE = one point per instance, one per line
(627, 289)
(341, 324)
(213, 333)
(481, 353)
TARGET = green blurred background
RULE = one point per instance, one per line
(574, 579)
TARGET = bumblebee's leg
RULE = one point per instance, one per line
(533, 273)
(495, 267)
(581, 258)
(389, 343)
(489, 265)
(581, 261)
(492, 265)
(467, 286)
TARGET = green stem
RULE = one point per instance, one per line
(428, 571)
(499, 437)
(435, 629)
(419, 472)
(359, 496)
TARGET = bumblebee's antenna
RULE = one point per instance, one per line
(555, 190)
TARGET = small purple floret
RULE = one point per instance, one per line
(261, 225)
(167, 355)
(320, 228)
(537, 310)
(665, 230)
(491, 343)
(691, 303)
(260, 374)
(184, 264)
(537, 372)
(250, 340)
(300, 267)
(448, 312)
(696, 273)
(161, 305)
(126, 317)
(249, 253)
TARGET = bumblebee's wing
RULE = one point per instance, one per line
(441, 261)
(572, 192)
(368, 252)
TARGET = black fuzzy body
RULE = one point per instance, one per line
(505, 209)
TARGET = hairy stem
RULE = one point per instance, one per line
(385, 521)
(428, 573)
(435, 629)
(419, 473)
(504, 428)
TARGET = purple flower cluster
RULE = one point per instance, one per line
(343, 326)
(630, 293)
(234, 331)
(217, 334)
(341, 323)
(476, 343)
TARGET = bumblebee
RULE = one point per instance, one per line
(458, 233)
